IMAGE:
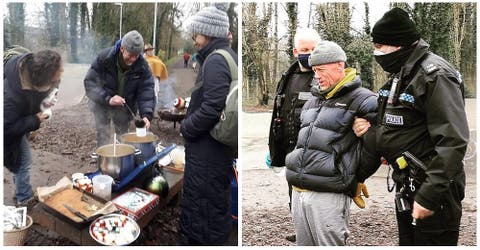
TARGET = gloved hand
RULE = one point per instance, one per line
(361, 188)
(268, 160)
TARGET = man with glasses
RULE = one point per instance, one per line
(119, 79)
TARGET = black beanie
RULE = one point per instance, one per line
(395, 28)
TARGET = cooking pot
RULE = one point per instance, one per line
(116, 165)
(146, 144)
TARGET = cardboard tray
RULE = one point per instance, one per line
(73, 198)
(136, 202)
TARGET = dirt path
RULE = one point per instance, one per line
(63, 145)
(266, 220)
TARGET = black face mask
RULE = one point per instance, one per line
(303, 60)
(393, 62)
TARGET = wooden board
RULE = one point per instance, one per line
(73, 198)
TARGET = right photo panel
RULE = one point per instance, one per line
(359, 124)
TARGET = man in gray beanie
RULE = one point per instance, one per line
(206, 207)
(422, 125)
(322, 167)
(119, 79)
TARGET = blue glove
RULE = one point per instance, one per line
(268, 160)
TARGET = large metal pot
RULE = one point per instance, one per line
(116, 165)
(146, 144)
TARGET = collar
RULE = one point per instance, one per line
(421, 48)
(350, 74)
(215, 43)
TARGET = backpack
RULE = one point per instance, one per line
(226, 130)
(13, 51)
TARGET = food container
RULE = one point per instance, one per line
(116, 160)
(114, 230)
(146, 144)
(136, 202)
(102, 186)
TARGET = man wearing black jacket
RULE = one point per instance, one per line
(118, 77)
(28, 80)
(293, 90)
(421, 131)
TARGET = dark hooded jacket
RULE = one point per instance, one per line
(101, 82)
(19, 112)
(327, 154)
(206, 207)
(429, 121)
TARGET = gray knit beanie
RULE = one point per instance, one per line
(327, 52)
(211, 21)
(133, 42)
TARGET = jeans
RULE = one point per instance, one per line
(104, 115)
(21, 179)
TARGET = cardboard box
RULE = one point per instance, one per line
(136, 202)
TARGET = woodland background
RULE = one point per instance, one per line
(449, 28)
(80, 30)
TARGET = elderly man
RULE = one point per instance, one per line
(293, 90)
(118, 80)
(29, 80)
(322, 167)
(421, 131)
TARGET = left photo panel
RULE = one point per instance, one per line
(120, 124)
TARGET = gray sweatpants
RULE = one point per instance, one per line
(320, 219)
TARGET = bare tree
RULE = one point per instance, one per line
(15, 33)
(458, 30)
(292, 12)
(73, 18)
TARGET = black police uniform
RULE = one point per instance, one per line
(426, 118)
(293, 90)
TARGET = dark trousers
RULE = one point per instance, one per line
(410, 235)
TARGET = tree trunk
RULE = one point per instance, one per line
(292, 12)
(459, 24)
(73, 17)
(16, 27)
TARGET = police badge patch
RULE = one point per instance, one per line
(393, 119)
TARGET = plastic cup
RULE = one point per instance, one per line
(141, 132)
(102, 186)
(178, 157)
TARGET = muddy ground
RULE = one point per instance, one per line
(266, 220)
(63, 146)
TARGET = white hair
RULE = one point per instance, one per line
(306, 34)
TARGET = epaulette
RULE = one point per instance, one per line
(429, 67)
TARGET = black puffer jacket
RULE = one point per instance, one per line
(206, 206)
(19, 112)
(101, 82)
(328, 152)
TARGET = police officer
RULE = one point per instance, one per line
(293, 90)
(422, 132)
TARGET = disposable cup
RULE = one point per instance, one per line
(102, 186)
(141, 132)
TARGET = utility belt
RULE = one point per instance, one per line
(409, 172)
